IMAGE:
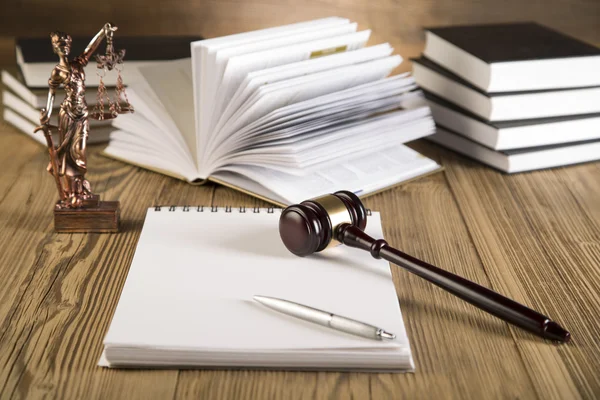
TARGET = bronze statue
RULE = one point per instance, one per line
(68, 160)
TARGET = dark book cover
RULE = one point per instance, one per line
(138, 48)
(427, 63)
(506, 124)
(514, 42)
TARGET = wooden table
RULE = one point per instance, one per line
(534, 237)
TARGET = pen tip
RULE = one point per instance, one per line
(387, 335)
(554, 331)
(260, 299)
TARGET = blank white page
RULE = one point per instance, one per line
(306, 88)
(153, 124)
(396, 84)
(171, 82)
(204, 70)
(361, 175)
(255, 79)
(235, 67)
(194, 273)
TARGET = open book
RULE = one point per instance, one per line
(285, 113)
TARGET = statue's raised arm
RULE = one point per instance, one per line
(106, 32)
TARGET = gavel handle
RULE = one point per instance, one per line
(479, 296)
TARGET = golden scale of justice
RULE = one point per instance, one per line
(78, 209)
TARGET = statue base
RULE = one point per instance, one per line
(93, 216)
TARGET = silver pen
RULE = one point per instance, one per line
(325, 318)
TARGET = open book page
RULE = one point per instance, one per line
(312, 128)
(306, 162)
(317, 114)
(315, 157)
(271, 97)
(253, 80)
(321, 112)
(307, 127)
(159, 135)
(328, 104)
(158, 122)
(139, 134)
(232, 64)
(170, 83)
(217, 51)
(165, 139)
(361, 175)
(301, 155)
(205, 74)
(131, 149)
(239, 66)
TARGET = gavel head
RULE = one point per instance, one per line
(311, 226)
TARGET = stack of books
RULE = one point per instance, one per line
(517, 97)
(26, 92)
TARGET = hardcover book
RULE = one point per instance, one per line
(514, 57)
(504, 135)
(520, 160)
(504, 106)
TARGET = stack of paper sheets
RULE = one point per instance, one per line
(187, 301)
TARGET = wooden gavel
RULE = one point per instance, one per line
(341, 218)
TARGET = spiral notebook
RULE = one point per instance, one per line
(187, 301)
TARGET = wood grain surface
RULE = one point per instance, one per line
(533, 236)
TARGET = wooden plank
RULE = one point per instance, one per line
(176, 192)
(26, 203)
(447, 334)
(583, 181)
(224, 196)
(65, 302)
(527, 228)
(429, 314)
(571, 243)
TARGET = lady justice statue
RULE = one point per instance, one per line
(78, 209)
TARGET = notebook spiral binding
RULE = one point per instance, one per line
(228, 209)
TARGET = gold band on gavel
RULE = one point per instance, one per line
(337, 212)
